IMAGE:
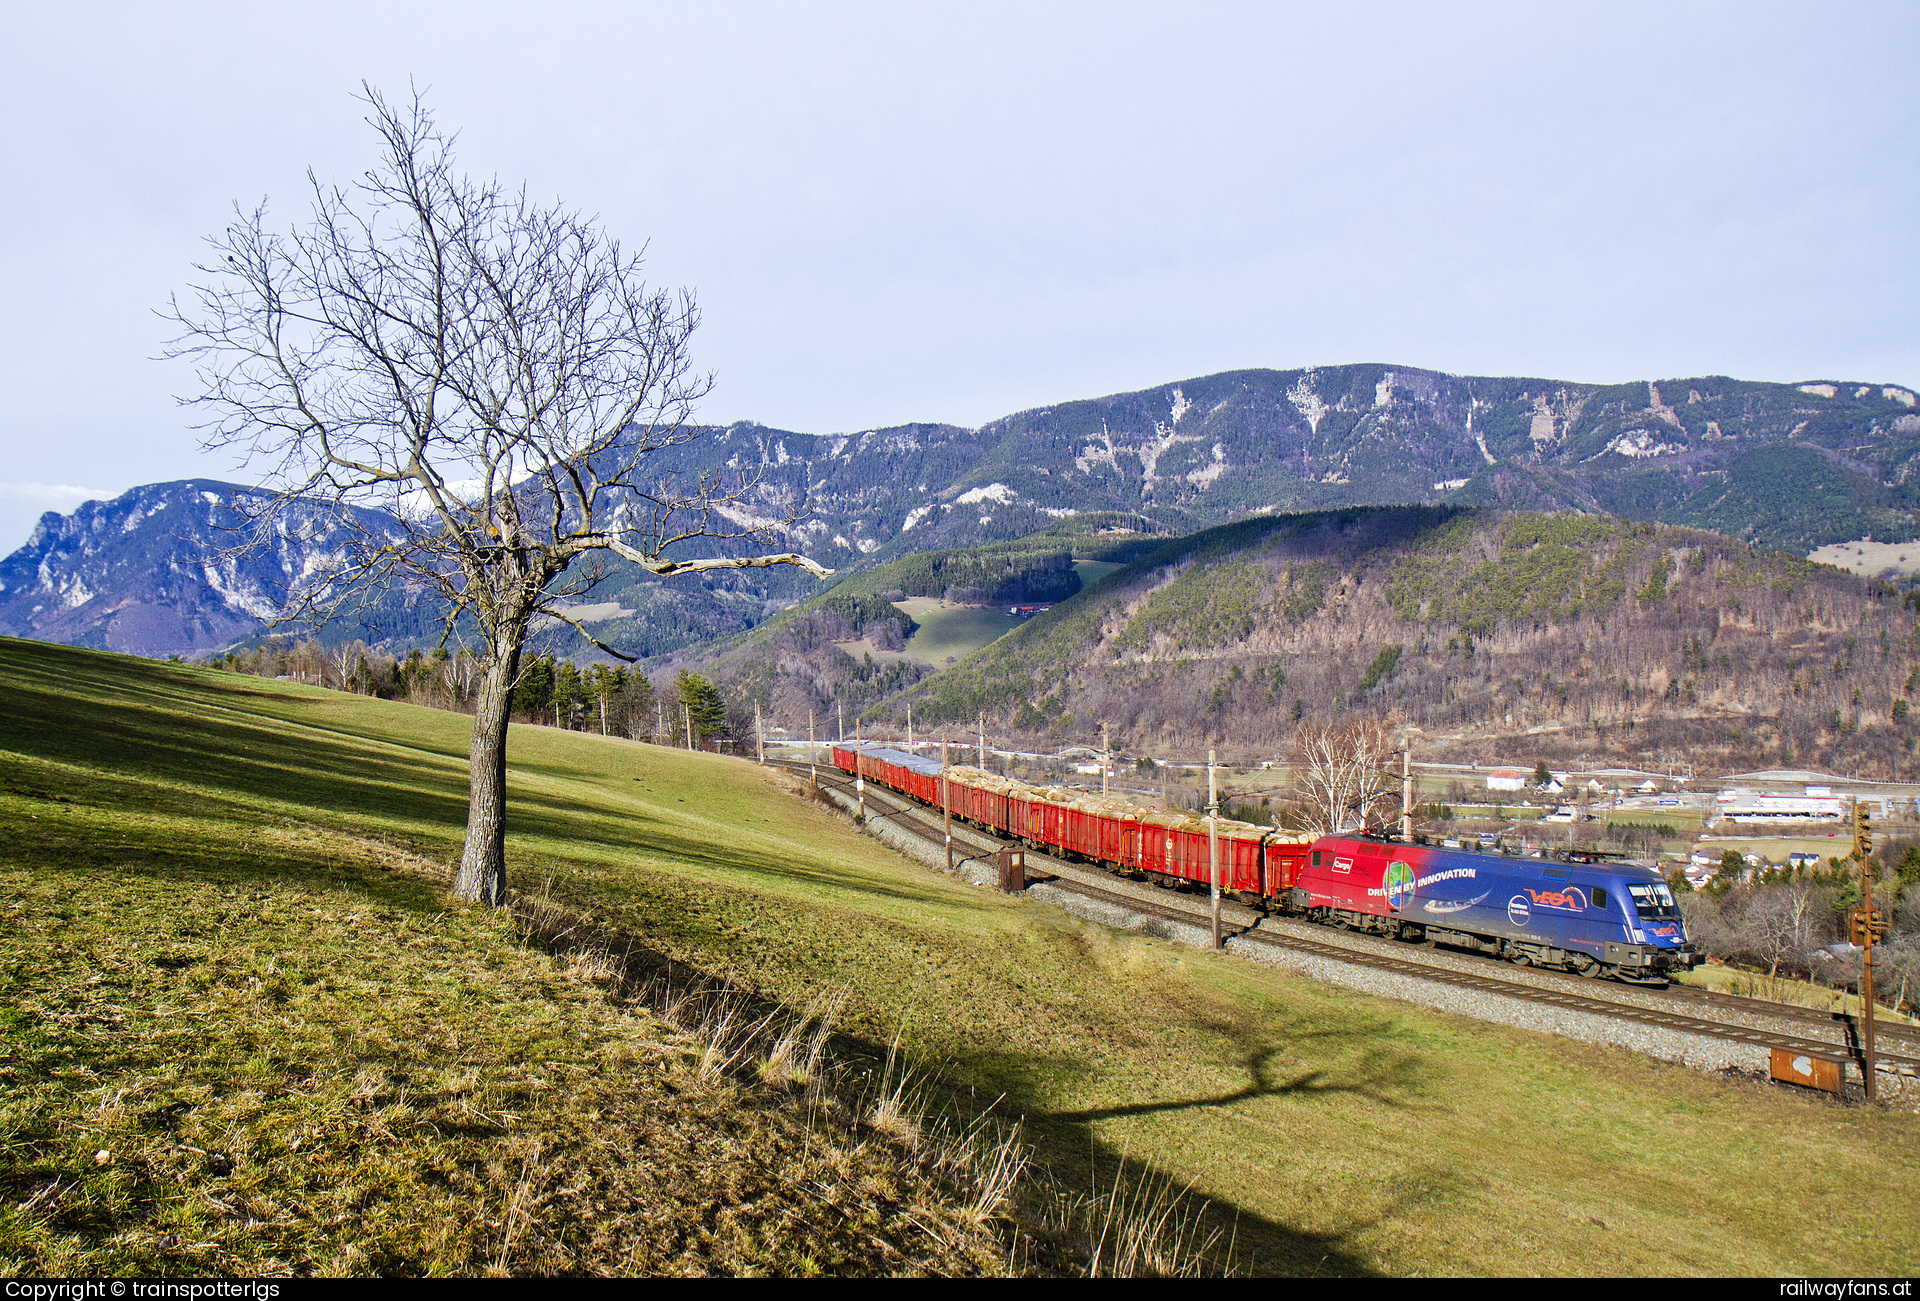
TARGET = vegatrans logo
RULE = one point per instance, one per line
(1399, 885)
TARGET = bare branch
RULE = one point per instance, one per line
(658, 565)
(581, 628)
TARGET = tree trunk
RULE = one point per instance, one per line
(483, 859)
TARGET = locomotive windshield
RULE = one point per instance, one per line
(1652, 899)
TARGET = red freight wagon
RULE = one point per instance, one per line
(1166, 842)
(1175, 844)
(1242, 859)
(1109, 830)
(922, 785)
(1026, 815)
(1048, 816)
(988, 798)
(970, 795)
(1093, 829)
(843, 758)
(1285, 858)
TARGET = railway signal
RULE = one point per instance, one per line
(1866, 926)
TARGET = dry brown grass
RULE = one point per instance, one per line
(977, 1167)
(203, 1075)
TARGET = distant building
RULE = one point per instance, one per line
(1746, 806)
(1506, 779)
(1698, 873)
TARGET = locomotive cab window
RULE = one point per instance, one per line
(1652, 899)
(1316, 858)
(1597, 896)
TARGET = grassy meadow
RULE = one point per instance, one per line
(244, 1030)
(953, 632)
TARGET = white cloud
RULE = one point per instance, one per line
(62, 497)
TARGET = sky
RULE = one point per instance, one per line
(901, 212)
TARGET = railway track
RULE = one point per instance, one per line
(1696, 1012)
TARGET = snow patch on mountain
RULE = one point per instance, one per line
(994, 492)
(1541, 428)
(737, 514)
(1207, 473)
(1640, 444)
(1094, 453)
(1307, 402)
(224, 578)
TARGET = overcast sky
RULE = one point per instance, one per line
(899, 212)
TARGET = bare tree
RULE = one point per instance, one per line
(1778, 929)
(1341, 779)
(493, 374)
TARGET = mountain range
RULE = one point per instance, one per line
(1784, 466)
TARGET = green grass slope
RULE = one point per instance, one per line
(231, 967)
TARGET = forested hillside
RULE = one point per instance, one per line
(1574, 636)
(800, 660)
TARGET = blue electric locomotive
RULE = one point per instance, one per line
(1584, 914)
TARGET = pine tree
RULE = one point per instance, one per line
(636, 698)
(568, 693)
(534, 692)
(702, 702)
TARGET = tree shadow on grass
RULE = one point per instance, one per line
(1383, 1077)
(1070, 1153)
